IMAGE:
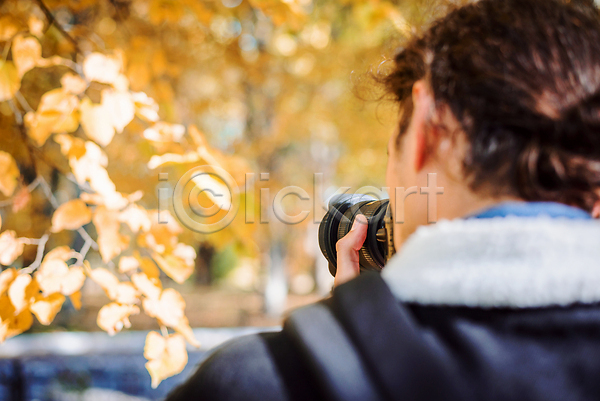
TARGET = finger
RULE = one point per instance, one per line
(347, 251)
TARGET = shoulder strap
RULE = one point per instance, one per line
(330, 354)
(405, 358)
(364, 345)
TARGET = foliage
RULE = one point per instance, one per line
(90, 93)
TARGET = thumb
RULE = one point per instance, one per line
(347, 251)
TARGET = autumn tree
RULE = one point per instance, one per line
(99, 97)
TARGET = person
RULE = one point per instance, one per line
(500, 298)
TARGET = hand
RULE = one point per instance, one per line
(347, 251)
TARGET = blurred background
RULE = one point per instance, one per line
(106, 104)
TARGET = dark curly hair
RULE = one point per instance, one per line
(522, 77)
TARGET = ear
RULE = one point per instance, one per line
(596, 211)
(422, 103)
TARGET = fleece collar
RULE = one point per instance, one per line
(499, 262)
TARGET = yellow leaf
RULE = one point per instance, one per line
(176, 268)
(76, 299)
(26, 52)
(9, 26)
(20, 199)
(127, 294)
(57, 112)
(105, 279)
(50, 275)
(158, 160)
(55, 276)
(136, 218)
(101, 68)
(183, 328)
(10, 247)
(198, 137)
(9, 174)
(110, 241)
(21, 291)
(96, 121)
(73, 280)
(149, 268)
(7, 277)
(166, 356)
(168, 308)
(150, 287)
(46, 308)
(164, 132)
(71, 215)
(36, 25)
(145, 107)
(73, 83)
(120, 106)
(63, 253)
(70, 146)
(127, 264)
(120, 292)
(90, 167)
(113, 317)
(9, 80)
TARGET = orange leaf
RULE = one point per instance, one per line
(9, 80)
(127, 264)
(110, 241)
(9, 174)
(9, 26)
(63, 253)
(150, 287)
(73, 83)
(57, 112)
(149, 267)
(10, 247)
(73, 280)
(15, 325)
(76, 299)
(120, 106)
(183, 328)
(101, 68)
(145, 107)
(136, 218)
(71, 215)
(21, 199)
(46, 308)
(168, 308)
(26, 52)
(96, 122)
(105, 279)
(176, 268)
(55, 276)
(113, 317)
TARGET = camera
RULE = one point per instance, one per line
(378, 247)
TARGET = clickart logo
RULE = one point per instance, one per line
(219, 186)
(221, 196)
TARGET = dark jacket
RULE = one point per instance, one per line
(503, 309)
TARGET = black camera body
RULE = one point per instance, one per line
(378, 247)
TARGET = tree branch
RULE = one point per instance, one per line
(38, 256)
(30, 189)
(52, 21)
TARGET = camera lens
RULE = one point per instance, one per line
(338, 222)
